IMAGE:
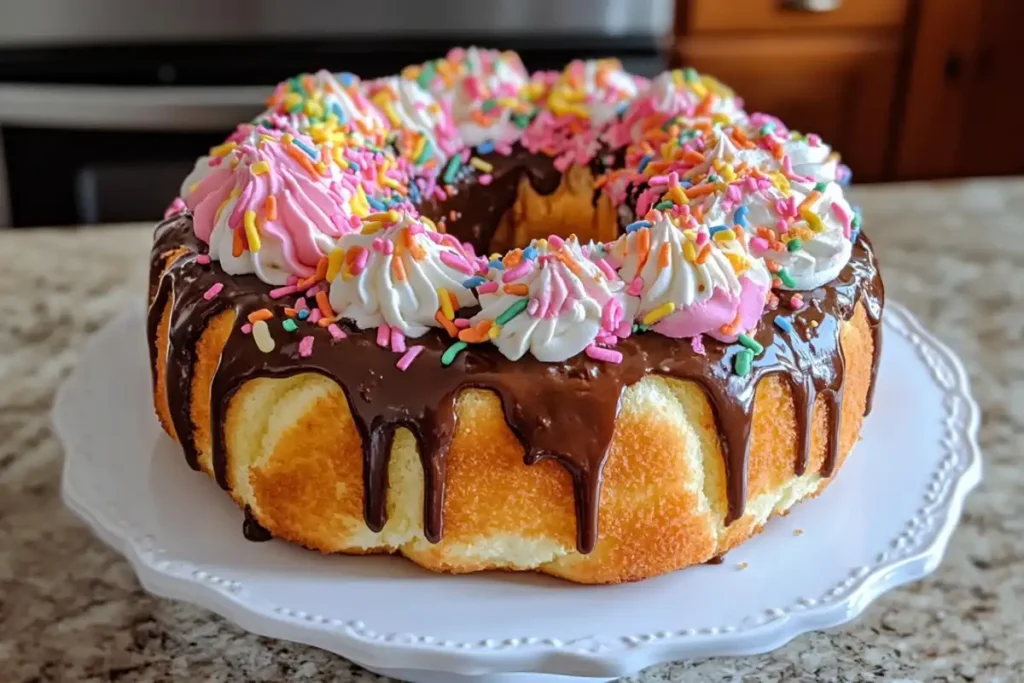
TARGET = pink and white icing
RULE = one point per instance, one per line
(701, 284)
(326, 186)
(577, 105)
(571, 303)
(266, 206)
(394, 272)
(676, 94)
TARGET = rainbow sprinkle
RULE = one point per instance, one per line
(448, 357)
(261, 334)
(743, 362)
(213, 291)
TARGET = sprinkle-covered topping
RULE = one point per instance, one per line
(319, 197)
(397, 271)
(484, 89)
(738, 176)
(552, 301)
(574, 108)
(682, 95)
(689, 282)
(323, 104)
(269, 203)
(421, 126)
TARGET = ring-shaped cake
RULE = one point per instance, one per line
(579, 323)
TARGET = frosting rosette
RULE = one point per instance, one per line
(574, 108)
(552, 301)
(320, 103)
(421, 124)
(804, 232)
(596, 88)
(270, 203)
(691, 281)
(724, 149)
(740, 178)
(800, 225)
(808, 156)
(401, 273)
(681, 94)
(800, 159)
(484, 89)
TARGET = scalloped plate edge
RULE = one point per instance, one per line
(591, 656)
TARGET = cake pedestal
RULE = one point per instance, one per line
(884, 522)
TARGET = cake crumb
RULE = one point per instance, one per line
(741, 566)
(798, 532)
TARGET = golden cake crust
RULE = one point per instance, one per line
(294, 460)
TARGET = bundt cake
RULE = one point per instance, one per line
(580, 323)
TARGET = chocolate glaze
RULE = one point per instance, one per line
(561, 411)
(253, 530)
(477, 213)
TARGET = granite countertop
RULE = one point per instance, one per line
(72, 610)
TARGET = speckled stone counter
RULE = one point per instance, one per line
(72, 610)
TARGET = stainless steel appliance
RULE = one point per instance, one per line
(105, 103)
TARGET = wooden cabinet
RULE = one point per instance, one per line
(778, 15)
(964, 94)
(903, 89)
(833, 73)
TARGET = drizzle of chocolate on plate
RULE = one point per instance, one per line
(253, 530)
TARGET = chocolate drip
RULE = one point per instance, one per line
(874, 305)
(564, 411)
(253, 530)
(190, 317)
(818, 375)
(157, 301)
(183, 333)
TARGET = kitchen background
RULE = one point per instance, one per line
(104, 104)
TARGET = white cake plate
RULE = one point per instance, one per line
(884, 522)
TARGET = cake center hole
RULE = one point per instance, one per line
(574, 208)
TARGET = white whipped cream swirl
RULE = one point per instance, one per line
(397, 274)
(811, 223)
(822, 255)
(806, 205)
(563, 302)
(808, 155)
(678, 94)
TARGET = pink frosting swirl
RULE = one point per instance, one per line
(271, 203)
